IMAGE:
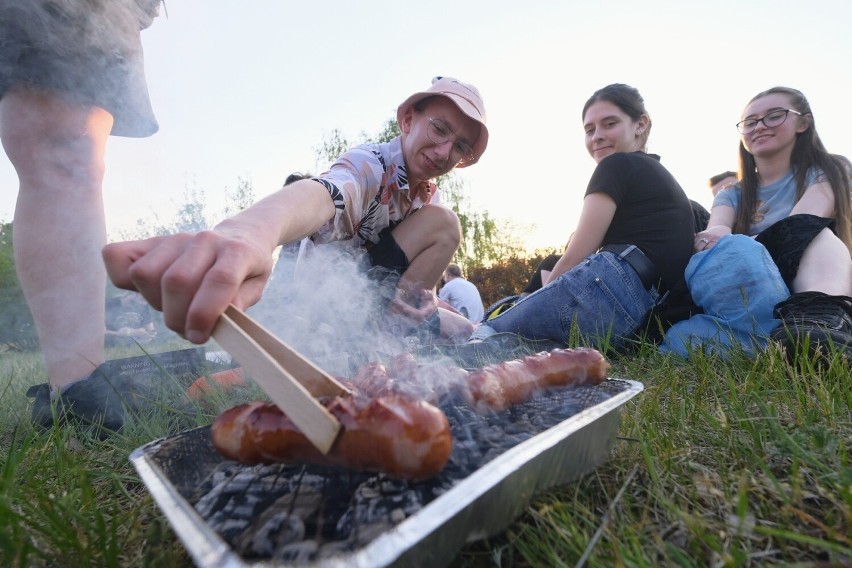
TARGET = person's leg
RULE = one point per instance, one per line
(602, 295)
(429, 237)
(819, 312)
(826, 267)
(454, 327)
(57, 149)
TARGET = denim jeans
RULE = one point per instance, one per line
(602, 294)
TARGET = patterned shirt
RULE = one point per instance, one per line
(369, 187)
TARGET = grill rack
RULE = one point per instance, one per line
(469, 500)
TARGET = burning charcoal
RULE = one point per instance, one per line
(379, 507)
(299, 552)
(272, 532)
(390, 486)
(229, 528)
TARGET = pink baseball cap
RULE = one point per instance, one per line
(466, 97)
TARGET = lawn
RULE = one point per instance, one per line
(718, 462)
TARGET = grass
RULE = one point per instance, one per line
(733, 462)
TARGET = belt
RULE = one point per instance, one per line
(648, 273)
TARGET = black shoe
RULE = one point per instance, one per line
(101, 400)
(92, 402)
(816, 321)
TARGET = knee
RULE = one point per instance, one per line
(825, 266)
(826, 249)
(53, 148)
(57, 159)
(443, 223)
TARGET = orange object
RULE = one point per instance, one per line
(224, 380)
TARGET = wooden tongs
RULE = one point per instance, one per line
(290, 380)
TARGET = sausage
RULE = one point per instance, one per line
(499, 386)
(389, 432)
(393, 435)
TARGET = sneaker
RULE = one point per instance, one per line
(91, 402)
(817, 321)
(102, 399)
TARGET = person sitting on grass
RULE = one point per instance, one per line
(794, 198)
(379, 198)
(631, 244)
(461, 294)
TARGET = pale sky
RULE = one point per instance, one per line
(249, 89)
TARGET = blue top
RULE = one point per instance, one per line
(774, 201)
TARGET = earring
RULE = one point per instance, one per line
(640, 131)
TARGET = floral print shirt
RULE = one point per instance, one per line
(369, 187)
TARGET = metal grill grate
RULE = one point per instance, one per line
(308, 514)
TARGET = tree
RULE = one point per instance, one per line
(507, 276)
(191, 215)
(241, 198)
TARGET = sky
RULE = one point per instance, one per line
(249, 90)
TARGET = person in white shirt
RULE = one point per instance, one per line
(461, 294)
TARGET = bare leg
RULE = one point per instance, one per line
(429, 238)
(825, 267)
(455, 328)
(57, 149)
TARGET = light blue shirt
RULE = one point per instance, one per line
(774, 201)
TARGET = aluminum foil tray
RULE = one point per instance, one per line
(479, 504)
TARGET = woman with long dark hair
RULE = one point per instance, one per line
(630, 246)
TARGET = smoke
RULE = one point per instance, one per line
(324, 304)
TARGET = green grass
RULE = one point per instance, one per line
(718, 463)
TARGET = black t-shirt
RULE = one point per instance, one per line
(652, 211)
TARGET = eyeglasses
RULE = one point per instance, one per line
(770, 120)
(439, 133)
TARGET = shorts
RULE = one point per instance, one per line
(389, 261)
(387, 253)
(90, 51)
(787, 240)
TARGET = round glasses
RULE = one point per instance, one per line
(770, 120)
(439, 133)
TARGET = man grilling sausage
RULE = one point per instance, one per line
(380, 197)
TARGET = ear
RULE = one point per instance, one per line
(642, 124)
(407, 119)
(804, 123)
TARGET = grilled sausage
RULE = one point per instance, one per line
(499, 386)
(397, 436)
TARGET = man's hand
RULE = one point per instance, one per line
(191, 278)
(415, 307)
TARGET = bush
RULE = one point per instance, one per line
(507, 277)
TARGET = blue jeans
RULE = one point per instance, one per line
(602, 294)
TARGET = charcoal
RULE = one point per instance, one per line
(299, 552)
(272, 532)
(298, 514)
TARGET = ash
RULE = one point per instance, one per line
(302, 514)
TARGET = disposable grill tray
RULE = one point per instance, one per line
(233, 515)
